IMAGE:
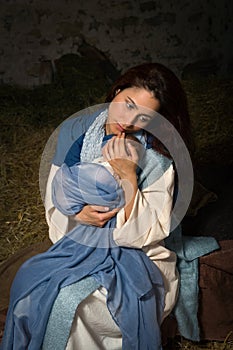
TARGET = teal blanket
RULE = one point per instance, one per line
(188, 250)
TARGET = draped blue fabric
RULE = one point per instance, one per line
(188, 249)
(134, 284)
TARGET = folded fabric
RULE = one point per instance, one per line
(135, 298)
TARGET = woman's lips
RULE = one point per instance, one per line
(120, 128)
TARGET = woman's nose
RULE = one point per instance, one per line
(129, 121)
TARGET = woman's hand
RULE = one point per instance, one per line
(122, 156)
(95, 215)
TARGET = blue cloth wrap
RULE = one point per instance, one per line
(85, 183)
(134, 283)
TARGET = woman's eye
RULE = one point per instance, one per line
(129, 105)
(144, 118)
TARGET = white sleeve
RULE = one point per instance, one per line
(149, 221)
(59, 224)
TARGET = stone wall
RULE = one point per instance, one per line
(191, 37)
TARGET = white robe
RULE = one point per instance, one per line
(149, 223)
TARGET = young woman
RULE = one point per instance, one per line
(133, 98)
(141, 225)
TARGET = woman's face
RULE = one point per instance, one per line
(131, 110)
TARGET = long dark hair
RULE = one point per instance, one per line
(167, 88)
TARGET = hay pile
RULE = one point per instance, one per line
(210, 105)
(22, 214)
(27, 119)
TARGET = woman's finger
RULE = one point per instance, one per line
(119, 148)
(133, 152)
(105, 152)
(112, 147)
(122, 151)
(95, 215)
(99, 208)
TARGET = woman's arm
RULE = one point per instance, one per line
(150, 218)
(123, 158)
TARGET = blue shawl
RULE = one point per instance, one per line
(87, 257)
